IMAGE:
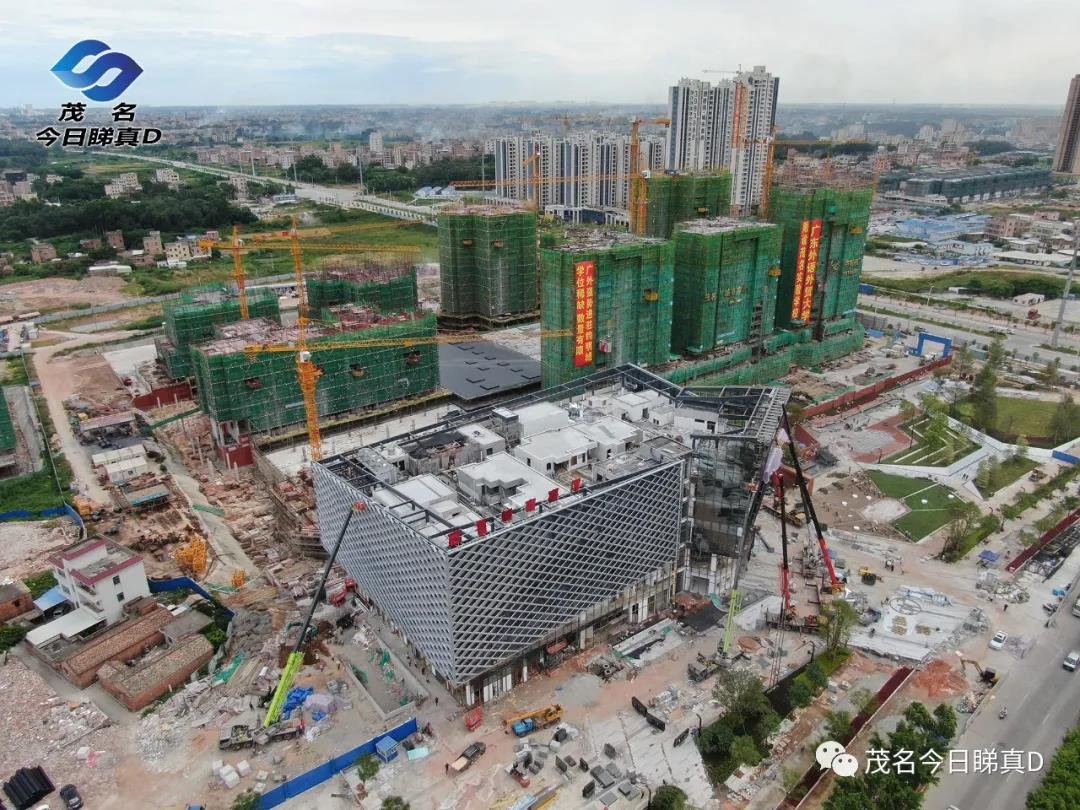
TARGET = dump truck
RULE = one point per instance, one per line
(528, 722)
(241, 735)
(468, 757)
(281, 730)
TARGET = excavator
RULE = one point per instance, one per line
(987, 676)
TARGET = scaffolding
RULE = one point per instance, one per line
(193, 317)
(629, 281)
(7, 430)
(487, 258)
(260, 391)
(726, 273)
(388, 286)
(675, 198)
(821, 258)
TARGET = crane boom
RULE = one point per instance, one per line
(296, 657)
(800, 479)
(238, 274)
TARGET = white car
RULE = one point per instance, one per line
(998, 641)
(1072, 661)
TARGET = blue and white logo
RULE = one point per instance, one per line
(87, 79)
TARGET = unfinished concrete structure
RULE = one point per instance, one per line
(500, 536)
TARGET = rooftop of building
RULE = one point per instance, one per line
(720, 225)
(363, 270)
(984, 170)
(106, 558)
(579, 239)
(542, 451)
(233, 338)
(484, 210)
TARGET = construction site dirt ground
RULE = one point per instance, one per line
(48, 294)
(24, 545)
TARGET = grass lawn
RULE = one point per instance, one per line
(1008, 472)
(929, 502)
(929, 453)
(1020, 417)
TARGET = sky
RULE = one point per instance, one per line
(208, 52)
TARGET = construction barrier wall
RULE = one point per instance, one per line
(191, 319)
(631, 312)
(386, 289)
(7, 430)
(841, 217)
(261, 391)
(725, 285)
(675, 198)
(487, 261)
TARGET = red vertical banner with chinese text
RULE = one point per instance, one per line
(800, 271)
(584, 312)
(810, 270)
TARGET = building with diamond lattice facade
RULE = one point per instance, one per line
(500, 538)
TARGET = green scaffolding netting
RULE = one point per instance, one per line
(633, 303)
(387, 288)
(261, 390)
(7, 430)
(192, 318)
(682, 197)
(724, 290)
(487, 262)
(844, 215)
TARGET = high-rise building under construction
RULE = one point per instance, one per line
(487, 263)
(1067, 156)
(610, 294)
(727, 125)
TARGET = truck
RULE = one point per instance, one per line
(241, 735)
(281, 730)
(468, 757)
(528, 722)
(703, 668)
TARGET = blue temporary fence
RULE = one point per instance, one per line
(321, 773)
(1068, 458)
(34, 514)
(174, 584)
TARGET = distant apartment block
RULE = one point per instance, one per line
(6, 197)
(115, 239)
(727, 125)
(1067, 156)
(23, 190)
(125, 183)
(167, 176)
(42, 252)
(578, 174)
(90, 244)
(152, 243)
(375, 141)
(178, 251)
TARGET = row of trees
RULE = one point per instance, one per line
(158, 208)
(919, 732)
(380, 179)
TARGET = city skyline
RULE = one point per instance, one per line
(329, 52)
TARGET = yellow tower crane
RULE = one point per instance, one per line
(639, 198)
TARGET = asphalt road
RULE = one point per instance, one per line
(1041, 696)
(1026, 341)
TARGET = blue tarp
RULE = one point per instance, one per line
(296, 697)
(989, 556)
(50, 599)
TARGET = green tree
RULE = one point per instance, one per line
(908, 411)
(1063, 422)
(366, 767)
(961, 360)
(668, 797)
(715, 739)
(958, 527)
(801, 691)
(1020, 451)
(995, 354)
(865, 701)
(10, 635)
(739, 691)
(984, 399)
(1060, 785)
(839, 617)
(394, 803)
(982, 475)
(248, 800)
(817, 675)
(744, 751)
(838, 724)
(1051, 375)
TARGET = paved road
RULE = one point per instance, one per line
(1025, 341)
(1041, 696)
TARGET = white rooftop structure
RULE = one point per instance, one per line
(540, 417)
(506, 481)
